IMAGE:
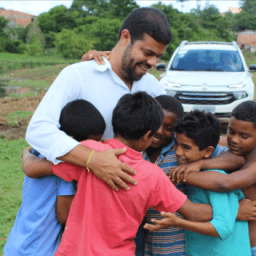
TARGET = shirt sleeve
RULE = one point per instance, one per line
(66, 188)
(67, 171)
(43, 132)
(225, 207)
(166, 197)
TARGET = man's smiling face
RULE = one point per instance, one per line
(140, 56)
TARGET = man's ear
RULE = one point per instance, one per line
(125, 36)
(208, 151)
(147, 135)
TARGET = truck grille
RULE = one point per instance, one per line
(205, 98)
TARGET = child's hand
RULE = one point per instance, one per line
(170, 219)
(96, 55)
(25, 152)
(179, 173)
(247, 210)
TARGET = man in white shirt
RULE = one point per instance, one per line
(143, 38)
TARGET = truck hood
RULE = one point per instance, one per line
(209, 78)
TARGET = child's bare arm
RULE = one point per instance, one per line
(226, 161)
(63, 204)
(216, 181)
(247, 210)
(170, 219)
(35, 167)
(195, 211)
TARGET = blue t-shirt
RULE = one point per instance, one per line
(234, 234)
(36, 231)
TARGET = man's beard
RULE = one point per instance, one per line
(128, 65)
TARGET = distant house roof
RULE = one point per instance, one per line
(246, 37)
(235, 10)
(17, 18)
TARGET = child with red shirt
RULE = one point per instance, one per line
(102, 221)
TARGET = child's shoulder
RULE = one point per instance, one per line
(96, 145)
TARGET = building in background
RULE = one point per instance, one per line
(17, 18)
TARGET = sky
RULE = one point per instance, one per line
(37, 7)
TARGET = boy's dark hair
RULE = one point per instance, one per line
(135, 115)
(80, 119)
(203, 128)
(150, 21)
(245, 111)
(171, 104)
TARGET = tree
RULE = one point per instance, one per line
(3, 35)
(71, 45)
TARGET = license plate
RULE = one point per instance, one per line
(205, 108)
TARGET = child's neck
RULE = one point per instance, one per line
(153, 153)
(129, 143)
(250, 156)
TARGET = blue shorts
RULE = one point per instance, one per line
(253, 249)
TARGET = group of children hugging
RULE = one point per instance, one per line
(67, 210)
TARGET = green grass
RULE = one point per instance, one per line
(13, 61)
(14, 117)
(11, 182)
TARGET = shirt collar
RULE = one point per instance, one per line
(130, 153)
(103, 68)
(163, 151)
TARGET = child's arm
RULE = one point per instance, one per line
(170, 219)
(225, 161)
(35, 167)
(216, 181)
(63, 204)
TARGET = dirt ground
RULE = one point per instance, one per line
(10, 105)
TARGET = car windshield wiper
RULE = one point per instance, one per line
(179, 69)
(208, 69)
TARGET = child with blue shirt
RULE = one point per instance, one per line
(45, 201)
(197, 136)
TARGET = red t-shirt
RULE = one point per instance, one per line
(104, 222)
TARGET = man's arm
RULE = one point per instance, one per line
(170, 219)
(44, 135)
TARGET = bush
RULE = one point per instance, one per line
(15, 46)
(34, 48)
(71, 45)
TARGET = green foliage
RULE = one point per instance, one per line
(71, 45)
(15, 46)
(34, 48)
(104, 33)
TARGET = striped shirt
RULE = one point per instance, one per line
(169, 241)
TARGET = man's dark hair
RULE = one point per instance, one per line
(203, 128)
(135, 115)
(80, 119)
(245, 111)
(171, 104)
(150, 21)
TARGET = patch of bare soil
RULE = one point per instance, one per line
(10, 105)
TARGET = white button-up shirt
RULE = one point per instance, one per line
(99, 85)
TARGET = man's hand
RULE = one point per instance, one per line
(247, 210)
(179, 173)
(106, 166)
(170, 219)
(96, 55)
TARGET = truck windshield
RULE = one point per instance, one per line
(207, 60)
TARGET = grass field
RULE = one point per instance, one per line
(11, 181)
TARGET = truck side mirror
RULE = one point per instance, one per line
(252, 67)
(161, 66)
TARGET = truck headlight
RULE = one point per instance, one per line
(240, 95)
(171, 84)
(238, 85)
